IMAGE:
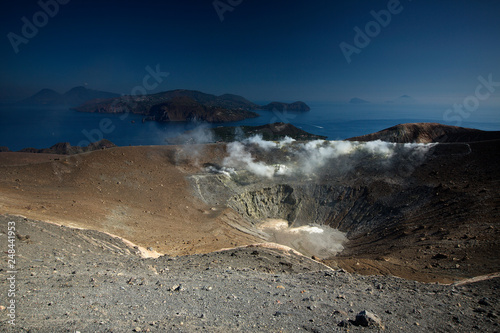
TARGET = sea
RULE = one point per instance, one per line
(41, 127)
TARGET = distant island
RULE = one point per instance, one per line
(188, 109)
(270, 132)
(356, 100)
(404, 99)
(168, 106)
(73, 97)
(187, 105)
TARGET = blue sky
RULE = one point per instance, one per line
(263, 50)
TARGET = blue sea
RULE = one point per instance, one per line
(41, 127)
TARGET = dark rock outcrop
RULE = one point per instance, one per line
(65, 148)
(187, 109)
(270, 132)
(186, 105)
(427, 133)
(178, 105)
(368, 319)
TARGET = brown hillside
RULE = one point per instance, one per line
(427, 133)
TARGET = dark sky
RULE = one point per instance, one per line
(262, 49)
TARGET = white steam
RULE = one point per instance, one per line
(311, 240)
(286, 141)
(257, 139)
(192, 146)
(223, 170)
(240, 158)
(199, 135)
(267, 145)
(307, 158)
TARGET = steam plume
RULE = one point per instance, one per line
(312, 240)
(307, 158)
(193, 147)
(240, 158)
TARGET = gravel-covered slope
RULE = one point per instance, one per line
(71, 280)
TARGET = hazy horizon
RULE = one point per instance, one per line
(393, 100)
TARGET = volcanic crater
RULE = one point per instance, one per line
(399, 216)
(426, 212)
(400, 205)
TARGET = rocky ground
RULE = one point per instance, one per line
(431, 219)
(71, 280)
